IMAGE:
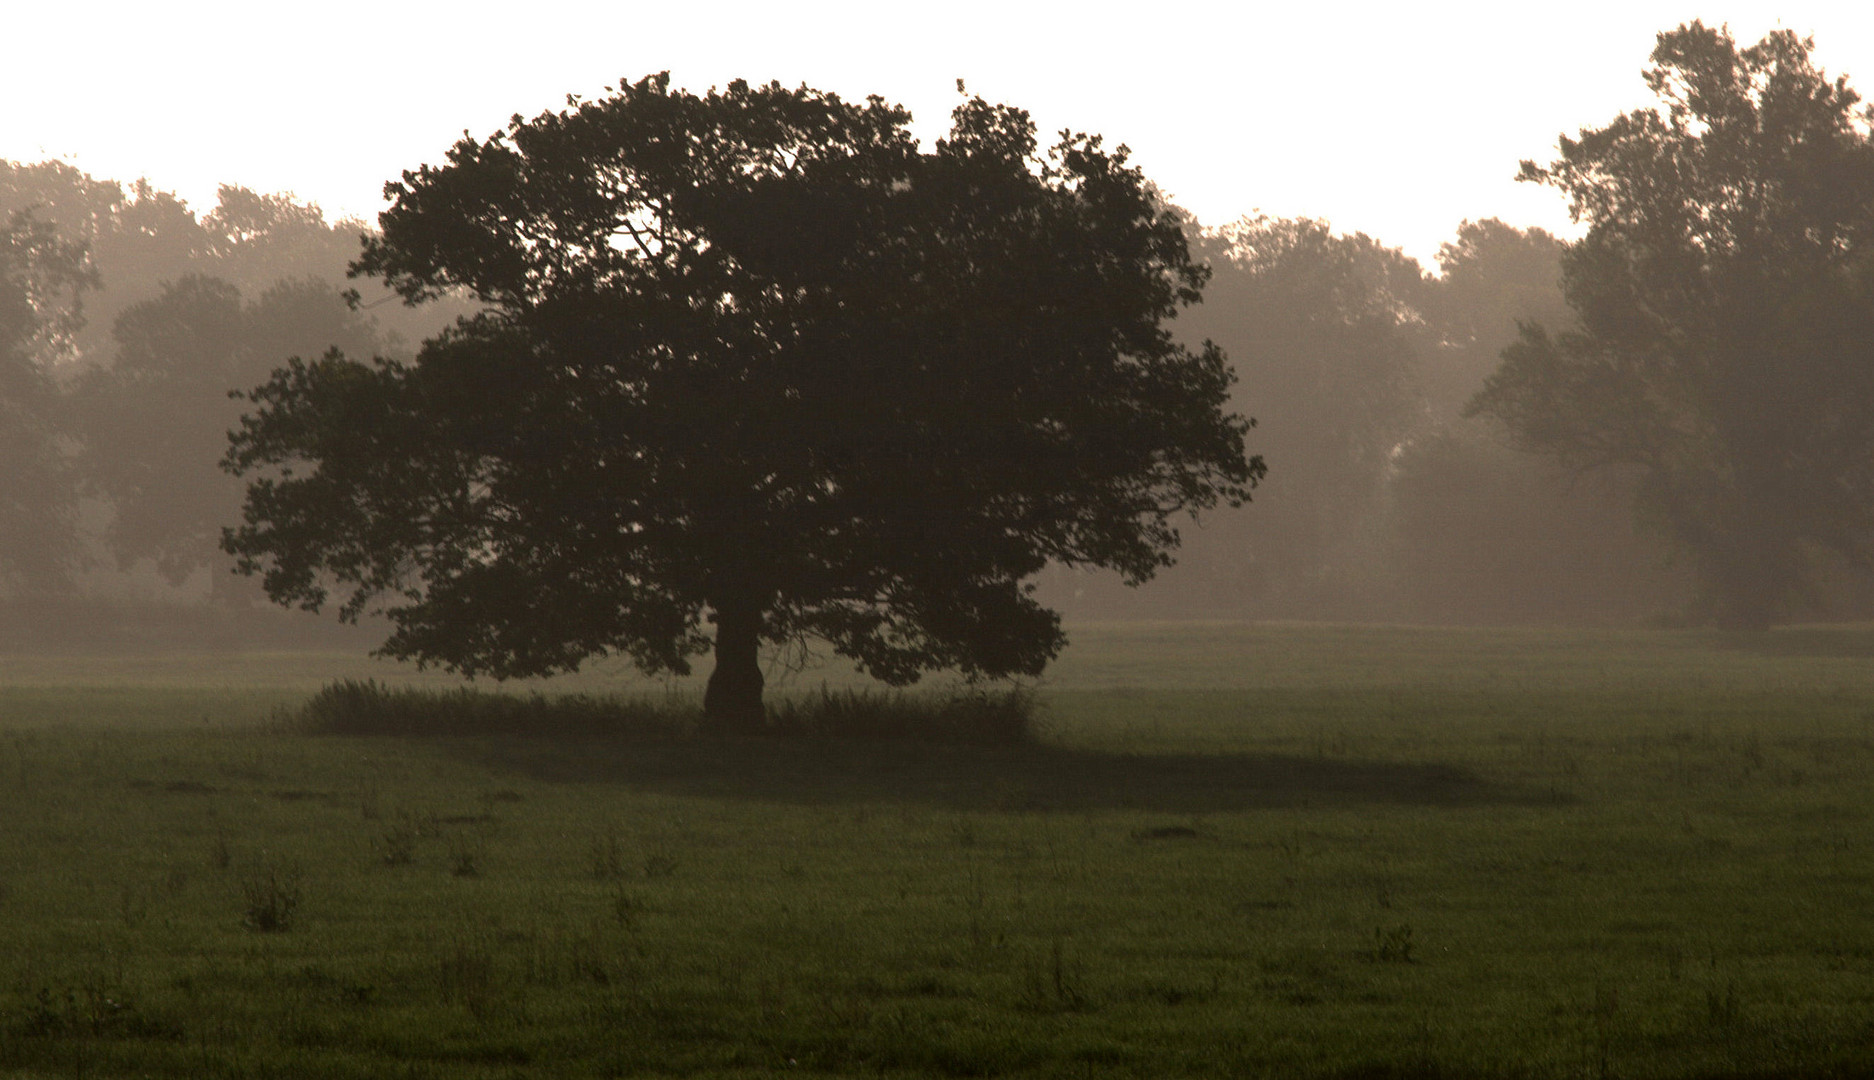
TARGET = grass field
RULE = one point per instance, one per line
(1233, 851)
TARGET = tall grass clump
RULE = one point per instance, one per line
(973, 715)
(353, 707)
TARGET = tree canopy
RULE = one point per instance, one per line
(754, 358)
(42, 279)
(152, 424)
(1723, 296)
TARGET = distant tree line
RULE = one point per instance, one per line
(1384, 500)
(125, 320)
(1670, 418)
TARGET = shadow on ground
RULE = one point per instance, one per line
(1032, 777)
(1849, 642)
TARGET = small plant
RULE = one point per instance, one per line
(133, 905)
(1066, 983)
(659, 864)
(467, 977)
(626, 907)
(396, 846)
(607, 857)
(463, 863)
(272, 897)
(1053, 984)
(1393, 945)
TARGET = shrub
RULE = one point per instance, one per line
(351, 707)
(973, 715)
(271, 896)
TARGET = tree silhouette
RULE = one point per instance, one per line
(751, 358)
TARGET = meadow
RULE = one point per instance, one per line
(1229, 850)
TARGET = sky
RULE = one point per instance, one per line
(1399, 120)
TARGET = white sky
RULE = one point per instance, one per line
(1397, 119)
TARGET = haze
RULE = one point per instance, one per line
(1395, 120)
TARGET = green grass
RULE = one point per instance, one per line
(1289, 851)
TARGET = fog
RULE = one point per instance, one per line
(1397, 490)
(1384, 502)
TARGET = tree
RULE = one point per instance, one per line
(1491, 278)
(1479, 530)
(42, 278)
(752, 354)
(1724, 306)
(155, 422)
(141, 239)
(1325, 332)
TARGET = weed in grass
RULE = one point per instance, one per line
(396, 846)
(96, 1009)
(659, 864)
(976, 902)
(133, 905)
(607, 856)
(466, 977)
(1721, 1006)
(1675, 961)
(464, 862)
(220, 855)
(1055, 984)
(1392, 945)
(1383, 891)
(1604, 1016)
(272, 896)
(627, 907)
(1167, 832)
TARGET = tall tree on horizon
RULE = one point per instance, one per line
(42, 282)
(1724, 298)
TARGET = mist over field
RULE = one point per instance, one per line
(1383, 502)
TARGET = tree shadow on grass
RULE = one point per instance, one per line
(818, 771)
(1838, 642)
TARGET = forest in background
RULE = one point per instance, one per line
(128, 317)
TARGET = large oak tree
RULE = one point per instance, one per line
(751, 358)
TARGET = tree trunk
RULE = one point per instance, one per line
(732, 701)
